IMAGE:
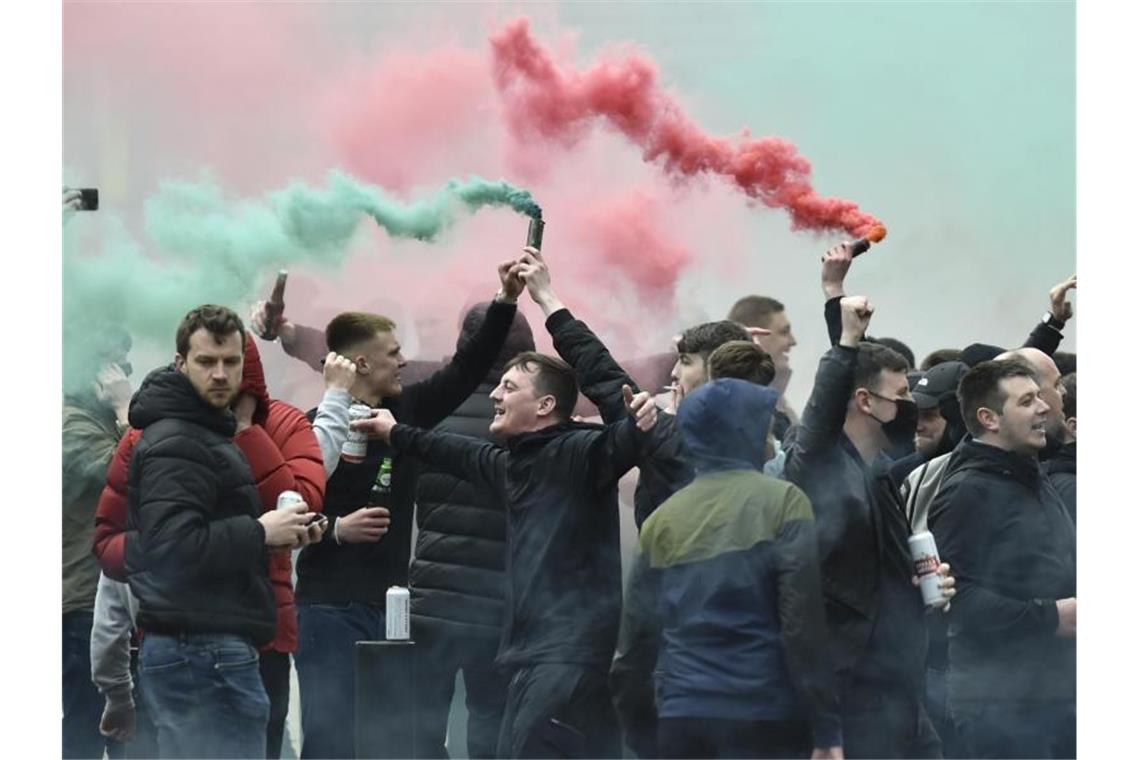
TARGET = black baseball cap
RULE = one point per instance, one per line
(937, 383)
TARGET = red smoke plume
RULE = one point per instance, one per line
(559, 104)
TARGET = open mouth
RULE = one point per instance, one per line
(499, 412)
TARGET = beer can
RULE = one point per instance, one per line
(924, 553)
(397, 614)
(285, 498)
(356, 445)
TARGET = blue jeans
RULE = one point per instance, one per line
(82, 703)
(205, 695)
(326, 673)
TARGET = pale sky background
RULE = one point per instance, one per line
(952, 122)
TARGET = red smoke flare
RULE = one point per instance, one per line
(559, 105)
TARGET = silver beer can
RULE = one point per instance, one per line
(285, 498)
(356, 445)
(397, 614)
(924, 553)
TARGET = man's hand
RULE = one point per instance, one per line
(340, 372)
(114, 389)
(243, 410)
(836, 262)
(1058, 299)
(1067, 618)
(72, 200)
(536, 274)
(118, 722)
(946, 584)
(286, 528)
(365, 525)
(827, 753)
(641, 408)
(258, 321)
(510, 284)
(379, 425)
(756, 333)
(316, 530)
(856, 313)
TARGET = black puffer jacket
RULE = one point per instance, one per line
(199, 563)
(1003, 528)
(563, 550)
(457, 579)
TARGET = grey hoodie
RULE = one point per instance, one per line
(115, 611)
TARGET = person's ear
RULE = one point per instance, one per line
(989, 419)
(546, 406)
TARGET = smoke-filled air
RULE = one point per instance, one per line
(203, 245)
(543, 100)
(681, 159)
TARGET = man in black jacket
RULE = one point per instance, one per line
(1062, 468)
(559, 481)
(875, 616)
(342, 582)
(198, 561)
(1012, 659)
(457, 579)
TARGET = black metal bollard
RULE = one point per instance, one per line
(385, 699)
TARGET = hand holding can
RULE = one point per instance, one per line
(927, 566)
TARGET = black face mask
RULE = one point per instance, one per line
(900, 430)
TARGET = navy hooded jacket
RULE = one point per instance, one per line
(744, 635)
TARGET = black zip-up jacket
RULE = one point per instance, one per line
(458, 578)
(1002, 526)
(862, 534)
(328, 572)
(663, 471)
(563, 551)
(198, 563)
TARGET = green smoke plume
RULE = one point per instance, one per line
(206, 248)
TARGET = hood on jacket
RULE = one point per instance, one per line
(519, 337)
(971, 454)
(724, 424)
(167, 393)
(253, 379)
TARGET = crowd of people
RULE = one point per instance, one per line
(772, 608)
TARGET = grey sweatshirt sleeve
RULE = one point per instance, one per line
(115, 611)
(331, 426)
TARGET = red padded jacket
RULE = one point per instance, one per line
(283, 454)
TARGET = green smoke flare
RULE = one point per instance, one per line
(210, 249)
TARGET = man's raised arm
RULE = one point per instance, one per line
(476, 461)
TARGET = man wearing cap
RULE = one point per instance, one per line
(939, 429)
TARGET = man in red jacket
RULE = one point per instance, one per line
(278, 441)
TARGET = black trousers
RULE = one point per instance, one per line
(717, 737)
(440, 653)
(275, 675)
(559, 711)
(1025, 729)
(882, 720)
